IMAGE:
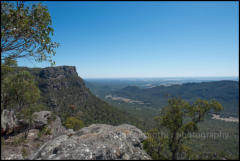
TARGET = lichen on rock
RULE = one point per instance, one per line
(96, 142)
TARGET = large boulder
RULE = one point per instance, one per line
(56, 127)
(45, 119)
(51, 121)
(8, 122)
(96, 142)
(41, 118)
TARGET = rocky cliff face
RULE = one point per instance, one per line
(61, 87)
(96, 142)
(65, 93)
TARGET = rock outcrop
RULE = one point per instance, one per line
(13, 145)
(58, 72)
(41, 118)
(57, 128)
(49, 120)
(8, 122)
(96, 142)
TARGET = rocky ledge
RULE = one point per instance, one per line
(16, 146)
(96, 142)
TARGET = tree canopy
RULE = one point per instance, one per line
(25, 32)
(19, 90)
(74, 123)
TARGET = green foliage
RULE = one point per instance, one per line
(74, 123)
(27, 113)
(19, 90)
(24, 153)
(7, 67)
(175, 122)
(200, 107)
(156, 145)
(44, 131)
(25, 32)
(2, 140)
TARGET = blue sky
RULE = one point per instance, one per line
(146, 39)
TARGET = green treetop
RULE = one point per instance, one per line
(25, 32)
(175, 122)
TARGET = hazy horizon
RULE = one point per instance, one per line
(198, 77)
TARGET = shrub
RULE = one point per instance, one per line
(2, 141)
(44, 131)
(24, 152)
(74, 123)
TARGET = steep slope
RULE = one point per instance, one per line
(226, 92)
(65, 93)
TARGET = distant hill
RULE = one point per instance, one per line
(226, 92)
(65, 93)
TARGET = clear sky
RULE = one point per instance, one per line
(146, 39)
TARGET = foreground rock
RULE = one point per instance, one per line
(41, 118)
(51, 121)
(16, 146)
(8, 122)
(98, 141)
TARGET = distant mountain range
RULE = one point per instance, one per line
(226, 92)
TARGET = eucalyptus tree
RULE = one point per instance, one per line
(26, 32)
(176, 121)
